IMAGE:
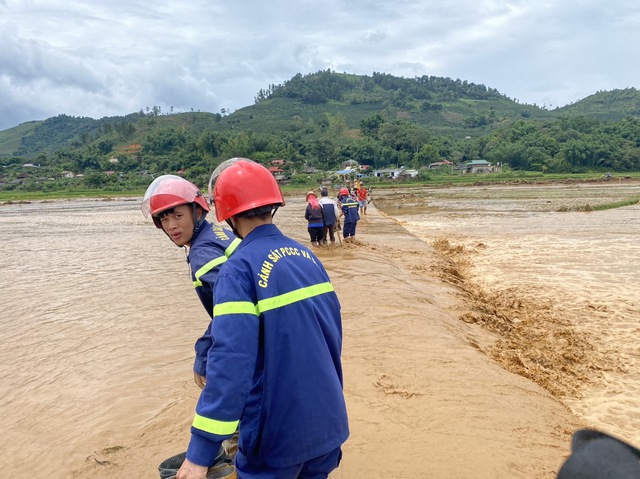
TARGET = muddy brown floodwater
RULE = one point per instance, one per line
(538, 254)
(98, 319)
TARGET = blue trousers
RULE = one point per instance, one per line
(318, 468)
(349, 229)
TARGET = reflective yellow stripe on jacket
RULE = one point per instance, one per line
(215, 262)
(213, 426)
(232, 247)
(294, 296)
(246, 307)
(222, 428)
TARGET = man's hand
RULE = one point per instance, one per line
(199, 380)
(189, 470)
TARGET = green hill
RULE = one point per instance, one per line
(442, 105)
(448, 107)
(321, 121)
(11, 139)
(606, 105)
(445, 106)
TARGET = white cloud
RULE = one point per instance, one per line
(112, 58)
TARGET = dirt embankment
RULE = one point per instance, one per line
(532, 339)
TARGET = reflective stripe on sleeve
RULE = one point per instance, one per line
(213, 426)
(216, 262)
(208, 267)
(235, 307)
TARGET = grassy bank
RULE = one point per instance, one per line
(436, 179)
(17, 196)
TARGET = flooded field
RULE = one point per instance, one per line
(98, 318)
(540, 249)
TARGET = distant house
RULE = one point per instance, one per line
(345, 175)
(310, 170)
(113, 160)
(387, 173)
(439, 164)
(67, 174)
(278, 173)
(278, 162)
(350, 164)
(409, 173)
(110, 172)
(282, 178)
(394, 173)
(480, 166)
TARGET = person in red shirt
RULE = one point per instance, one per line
(362, 199)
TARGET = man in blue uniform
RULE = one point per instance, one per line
(274, 367)
(179, 208)
(349, 208)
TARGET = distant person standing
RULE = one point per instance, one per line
(356, 187)
(350, 212)
(331, 214)
(362, 199)
(314, 214)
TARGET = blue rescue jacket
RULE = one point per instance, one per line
(274, 369)
(209, 250)
(350, 210)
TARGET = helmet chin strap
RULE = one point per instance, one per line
(233, 228)
(197, 223)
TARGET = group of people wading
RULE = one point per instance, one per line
(323, 215)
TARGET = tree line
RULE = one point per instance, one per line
(568, 145)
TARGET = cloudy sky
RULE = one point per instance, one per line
(96, 59)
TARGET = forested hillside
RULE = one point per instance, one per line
(320, 121)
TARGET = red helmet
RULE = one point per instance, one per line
(243, 186)
(219, 169)
(169, 191)
(344, 192)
